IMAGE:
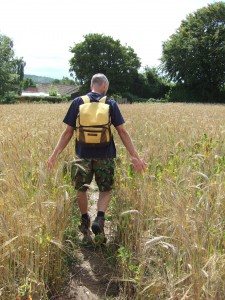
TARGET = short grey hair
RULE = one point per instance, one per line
(99, 79)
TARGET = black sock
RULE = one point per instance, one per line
(101, 214)
(85, 216)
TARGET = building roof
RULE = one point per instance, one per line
(46, 87)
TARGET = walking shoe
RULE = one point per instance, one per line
(98, 229)
(85, 226)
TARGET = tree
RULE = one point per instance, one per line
(11, 67)
(102, 54)
(67, 81)
(64, 81)
(27, 82)
(156, 83)
(53, 91)
(56, 81)
(150, 84)
(195, 55)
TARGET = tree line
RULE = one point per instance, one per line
(192, 67)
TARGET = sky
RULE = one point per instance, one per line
(43, 31)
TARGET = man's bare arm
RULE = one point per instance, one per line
(139, 164)
(61, 145)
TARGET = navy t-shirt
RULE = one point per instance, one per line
(82, 151)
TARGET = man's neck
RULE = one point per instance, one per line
(97, 92)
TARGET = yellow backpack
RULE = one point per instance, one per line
(93, 123)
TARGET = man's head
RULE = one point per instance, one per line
(99, 84)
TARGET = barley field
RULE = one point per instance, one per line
(169, 222)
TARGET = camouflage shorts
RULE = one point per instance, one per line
(85, 169)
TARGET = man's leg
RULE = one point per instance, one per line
(99, 222)
(103, 201)
(82, 178)
(82, 200)
(104, 176)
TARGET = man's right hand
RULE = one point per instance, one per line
(139, 165)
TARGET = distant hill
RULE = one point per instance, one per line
(39, 79)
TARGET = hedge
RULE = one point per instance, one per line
(50, 99)
(11, 98)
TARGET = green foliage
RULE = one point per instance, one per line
(53, 91)
(11, 67)
(56, 81)
(182, 93)
(42, 79)
(44, 99)
(63, 81)
(27, 82)
(130, 97)
(24, 291)
(117, 96)
(39, 79)
(156, 83)
(102, 54)
(9, 98)
(99, 53)
(194, 55)
(125, 259)
(150, 84)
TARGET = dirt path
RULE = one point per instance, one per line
(91, 277)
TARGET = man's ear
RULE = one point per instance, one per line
(106, 86)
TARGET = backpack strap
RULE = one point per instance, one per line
(85, 99)
(103, 99)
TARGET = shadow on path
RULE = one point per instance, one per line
(92, 277)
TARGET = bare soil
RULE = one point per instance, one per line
(92, 277)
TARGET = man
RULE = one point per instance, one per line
(98, 161)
